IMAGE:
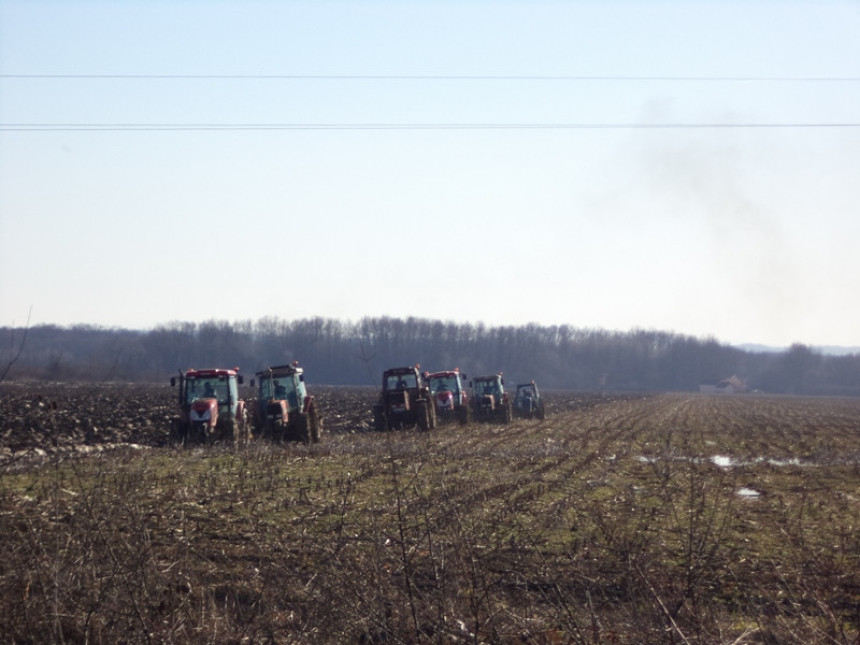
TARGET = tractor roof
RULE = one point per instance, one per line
(454, 372)
(281, 370)
(210, 372)
(402, 370)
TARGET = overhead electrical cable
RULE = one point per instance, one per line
(169, 127)
(441, 77)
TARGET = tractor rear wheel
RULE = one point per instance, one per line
(463, 414)
(302, 429)
(196, 433)
(379, 423)
(423, 415)
(315, 425)
(179, 432)
(225, 431)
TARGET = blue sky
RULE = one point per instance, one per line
(532, 192)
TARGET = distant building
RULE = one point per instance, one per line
(730, 385)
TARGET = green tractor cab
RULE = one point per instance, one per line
(490, 402)
(528, 402)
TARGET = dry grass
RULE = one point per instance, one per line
(613, 521)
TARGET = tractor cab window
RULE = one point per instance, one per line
(232, 387)
(443, 384)
(400, 381)
(274, 388)
(299, 395)
(206, 388)
(265, 388)
(526, 392)
(283, 388)
(487, 387)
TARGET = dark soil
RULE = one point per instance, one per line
(621, 518)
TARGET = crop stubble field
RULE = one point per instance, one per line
(621, 518)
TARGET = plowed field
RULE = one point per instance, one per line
(671, 518)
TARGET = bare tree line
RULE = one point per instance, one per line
(336, 352)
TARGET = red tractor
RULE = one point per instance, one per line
(450, 395)
(284, 409)
(210, 408)
(405, 401)
(489, 399)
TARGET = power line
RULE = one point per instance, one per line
(439, 77)
(180, 127)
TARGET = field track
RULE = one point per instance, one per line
(621, 518)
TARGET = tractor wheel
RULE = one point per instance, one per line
(507, 413)
(431, 410)
(176, 435)
(463, 414)
(302, 429)
(541, 411)
(315, 425)
(179, 432)
(225, 431)
(196, 433)
(379, 423)
(423, 415)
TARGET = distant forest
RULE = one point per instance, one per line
(335, 352)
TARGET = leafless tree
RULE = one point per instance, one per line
(15, 353)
